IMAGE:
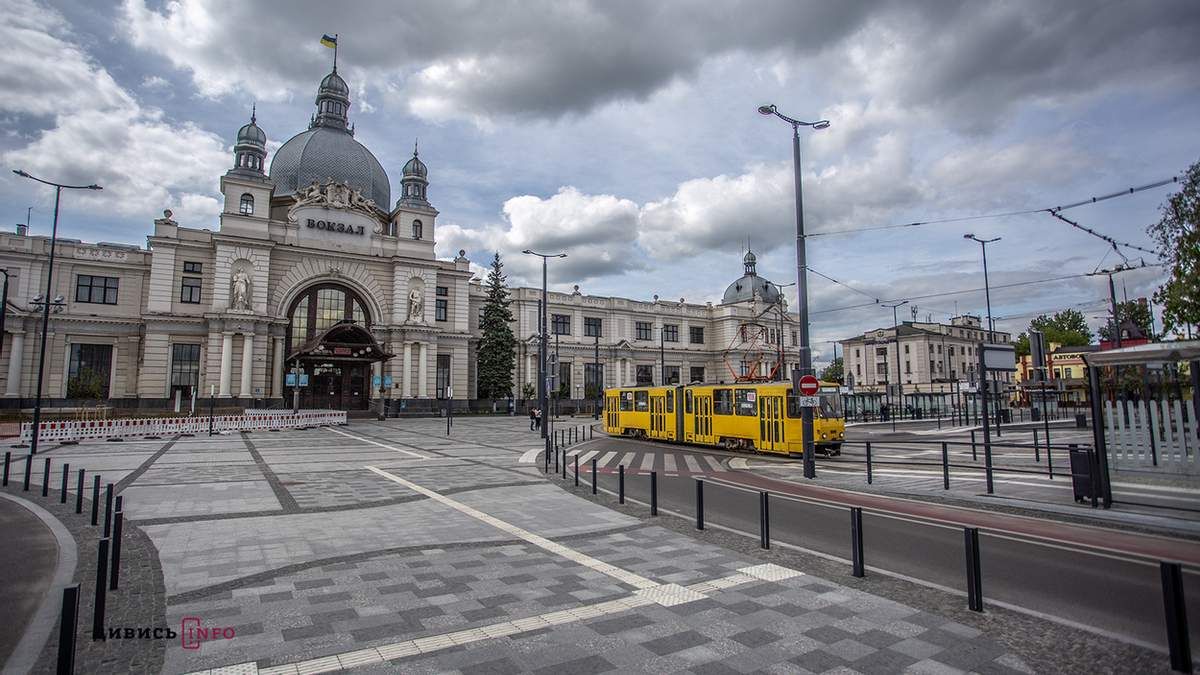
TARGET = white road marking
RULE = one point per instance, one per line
(648, 462)
(669, 462)
(382, 445)
(692, 464)
(529, 456)
(583, 458)
(714, 463)
(627, 459)
(608, 456)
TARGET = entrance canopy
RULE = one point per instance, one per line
(343, 341)
(1158, 352)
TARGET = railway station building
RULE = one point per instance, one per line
(317, 274)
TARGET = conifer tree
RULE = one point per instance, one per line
(497, 345)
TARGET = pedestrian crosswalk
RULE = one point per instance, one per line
(666, 462)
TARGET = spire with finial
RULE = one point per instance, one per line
(415, 179)
(250, 148)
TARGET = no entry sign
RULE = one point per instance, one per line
(809, 385)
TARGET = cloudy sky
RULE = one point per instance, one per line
(625, 133)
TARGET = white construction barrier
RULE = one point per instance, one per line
(161, 427)
(1151, 436)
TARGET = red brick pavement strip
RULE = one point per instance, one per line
(1148, 546)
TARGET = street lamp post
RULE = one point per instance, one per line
(899, 386)
(662, 355)
(542, 348)
(810, 465)
(987, 296)
(597, 380)
(37, 401)
(3, 309)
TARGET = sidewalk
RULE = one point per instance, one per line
(390, 546)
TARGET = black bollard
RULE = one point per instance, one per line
(576, 470)
(7, 462)
(974, 452)
(856, 541)
(101, 590)
(79, 493)
(764, 521)
(974, 575)
(547, 462)
(120, 503)
(28, 468)
(62, 494)
(945, 467)
(593, 476)
(870, 476)
(621, 484)
(95, 500)
(68, 625)
(654, 493)
(46, 479)
(699, 504)
(108, 504)
(1037, 457)
(1176, 613)
(556, 461)
(118, 522)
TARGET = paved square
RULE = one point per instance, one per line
(385, 546)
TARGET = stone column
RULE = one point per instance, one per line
(406, 376)
(16, 358)
(528, 367)
(423, 371)
(277, 368)
(226, 365)
(247, 390)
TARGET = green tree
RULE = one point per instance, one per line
(497, 345)
(1135, 311)
(1178, 237)
(1067, 328)
(833, 371)
(87, 384)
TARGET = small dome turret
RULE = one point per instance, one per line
(333, 103)
(250, 148)
(751, 285)
(414, 181)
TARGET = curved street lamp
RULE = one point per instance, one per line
(543, 346)
(806, 368)
(45, 306)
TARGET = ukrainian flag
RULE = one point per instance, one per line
(328, 41)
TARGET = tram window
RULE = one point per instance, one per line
(626, 401)
(641, 401)
(670, 401)
(794, 411)
(687, 402)
(722, 401)
(746, 400)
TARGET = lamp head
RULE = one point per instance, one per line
(823, 124)
(93, 186)
(968, 236)
(527, 252)
(766, 109)
(562, 255)
(21, 173)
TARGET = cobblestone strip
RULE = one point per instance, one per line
(635, 580)
(143, 467)
(286, 500)
(436, 643)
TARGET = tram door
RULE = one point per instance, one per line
(658, 409)
(770, 424)
(701, 428)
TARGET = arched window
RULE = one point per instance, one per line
(417, 229)
(246, 207)
(319, 307)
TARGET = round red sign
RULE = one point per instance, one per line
(809, 385)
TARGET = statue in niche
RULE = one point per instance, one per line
(240, 291)
(416, 306)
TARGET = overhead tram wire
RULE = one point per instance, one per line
(1110, 240)
(944, 294)
(842, 283)
(1006, 214)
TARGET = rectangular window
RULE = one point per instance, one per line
(593, 326)
(593, 380)
(645, 375)
(672, 375)
(560, 324)
(881, 369)
(442, 291)
(746, 401)
(722, 401)
(931, 366)
(687, 402)
(696, 335)
(191, 267)
(443, 375)
(564, 379)
(670, 332)
(189, 290)
(441, 304)
(856, 354)
(881, 351)
(697, 374)
(795, 340)
(905, 349)
(670, 401)
(185, 369)
(641, 401)
(96, 290)
(642, 330)
(907, 367)
(88, 374)
(858, 369)
(939, 349)
(627, 401)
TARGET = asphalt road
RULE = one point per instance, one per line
(1103, 585)
(28, 569)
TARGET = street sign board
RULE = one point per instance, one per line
(999, 357)
(809, 385)
(376, 381)
(808, 401)
(1037, 353)
(387, 381)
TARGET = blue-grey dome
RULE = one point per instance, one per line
(415, 167)
(252, 133)
(334, 84)
(326, 152)
(744, 289)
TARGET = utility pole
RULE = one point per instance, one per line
(1116, 319)
(900, 387)
(597, 379)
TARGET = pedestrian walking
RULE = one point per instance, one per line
(532, 417)
(538, 419)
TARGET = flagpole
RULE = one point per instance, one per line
(335, 46)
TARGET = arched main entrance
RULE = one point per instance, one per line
(331, 349)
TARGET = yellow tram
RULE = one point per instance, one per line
(760, 416)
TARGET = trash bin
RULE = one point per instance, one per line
(1081, 472)
(1005, 415)
(1080, 421)
(1035, 414)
